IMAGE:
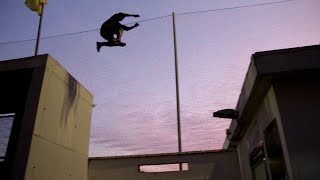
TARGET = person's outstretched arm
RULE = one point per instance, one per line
(129, 15)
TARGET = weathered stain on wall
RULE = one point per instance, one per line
(71, 98)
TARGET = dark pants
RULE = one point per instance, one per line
(108, 31)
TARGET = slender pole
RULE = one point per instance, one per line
(39, 31)
(177, 85)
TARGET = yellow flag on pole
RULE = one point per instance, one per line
(35, 5)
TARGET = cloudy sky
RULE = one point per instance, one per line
(134, 86)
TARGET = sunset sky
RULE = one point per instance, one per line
(134, 86)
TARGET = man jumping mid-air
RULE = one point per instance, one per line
(113, 26)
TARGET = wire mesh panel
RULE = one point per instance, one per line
(214, 54)
(134, 86)
(17, 49)
(210, 78)
(135, 97)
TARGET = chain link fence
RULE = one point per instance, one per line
(134, 86)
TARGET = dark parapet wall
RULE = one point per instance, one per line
(200, 165)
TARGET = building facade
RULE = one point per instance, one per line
(275, 132)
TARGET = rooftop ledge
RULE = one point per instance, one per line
(160, 154)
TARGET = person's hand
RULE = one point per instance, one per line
(136, 25)
(136, 15)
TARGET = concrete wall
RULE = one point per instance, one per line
(281, 85)
(294, 104)
(60, 140)
(206, 165)
(299, 105)
(266, 111)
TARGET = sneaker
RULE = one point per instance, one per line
(98, 46)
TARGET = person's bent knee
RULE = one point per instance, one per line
(107, 36)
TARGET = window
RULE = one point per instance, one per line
(258, 163)
(163, 167)
(274, 152)
(6, 121)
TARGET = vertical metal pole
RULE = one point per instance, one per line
(177, 85)
(39, 31)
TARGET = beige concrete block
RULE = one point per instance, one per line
(64, 112)
(81, 128)
(41, 105)
(48, 161)
(54, 126)
(56, 67)
(79, 167)
(60, 143)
